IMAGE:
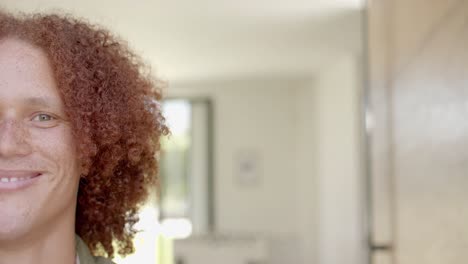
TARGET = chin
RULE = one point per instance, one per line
(14, 224)
(12, 232)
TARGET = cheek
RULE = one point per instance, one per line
(57, 148)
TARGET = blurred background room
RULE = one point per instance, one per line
(303, 131)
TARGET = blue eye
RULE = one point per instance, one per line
(43, 117)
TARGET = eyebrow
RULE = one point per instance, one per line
(42, 102)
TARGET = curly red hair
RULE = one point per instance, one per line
(112, 103)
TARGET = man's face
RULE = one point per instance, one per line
(38, 164)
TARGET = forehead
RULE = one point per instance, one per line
(25, 70)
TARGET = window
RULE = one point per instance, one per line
(186, 199)
(186, 175)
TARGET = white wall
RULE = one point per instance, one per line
(307, 132)
(340, 181)
(306, 170)
(328, 157)
(258, 116)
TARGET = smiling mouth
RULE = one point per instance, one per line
(12, 180)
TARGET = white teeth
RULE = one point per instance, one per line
(14, 179)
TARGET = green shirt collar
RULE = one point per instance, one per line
(85, 256)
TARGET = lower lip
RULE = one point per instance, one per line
(18, 185)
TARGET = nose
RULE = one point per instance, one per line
(13, 139)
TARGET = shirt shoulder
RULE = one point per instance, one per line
(101, 260)
(84, 255)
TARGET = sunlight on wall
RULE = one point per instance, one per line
(153, 244)
(177, 114)
(146, 241)
(176, 228)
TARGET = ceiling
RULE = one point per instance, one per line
(224, 39)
